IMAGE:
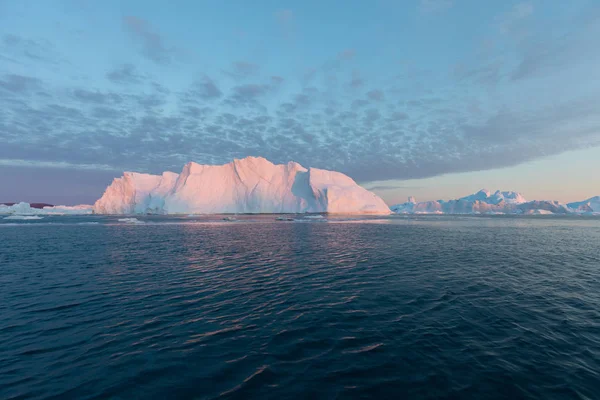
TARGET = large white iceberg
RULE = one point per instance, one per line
(250, 185)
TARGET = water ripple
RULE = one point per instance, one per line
(413, 307)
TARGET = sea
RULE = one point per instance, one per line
(314, 307)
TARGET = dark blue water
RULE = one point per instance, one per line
(425, 308)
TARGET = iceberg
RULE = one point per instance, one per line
(485, 196)
(252, 185)
(131, 221)
(591, 205)
(136, 193)
(488, 203)
(26, 209)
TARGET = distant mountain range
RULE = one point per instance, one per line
(486, 202)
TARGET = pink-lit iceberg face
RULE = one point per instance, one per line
(249, 185)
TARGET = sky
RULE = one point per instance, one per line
(432, 98)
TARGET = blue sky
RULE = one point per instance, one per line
(434, 98)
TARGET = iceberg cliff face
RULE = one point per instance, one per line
(136, 193)
(249, 185)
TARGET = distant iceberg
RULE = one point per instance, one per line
(250, 185)
(24, 209)
(488, 203)
(591, 205)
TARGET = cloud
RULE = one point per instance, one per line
(150, 100)
(277, 80)
(19, 83)
(356, 81)
(398, 116)
(285, 20)
(97, 97)
(242, 70)
(419, 126)
(250, 91)
(435, 6)
(359, 103)
(11, 40)
(509, 21)
(205, 90)
(376, 95)
(153, 47)
(347, 54)
(392, 187)
(483, 74)
(284, 16)
(105, 113)
(124, 74)
(30, 50)
(555, 51)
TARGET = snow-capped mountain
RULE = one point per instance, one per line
(249, 185)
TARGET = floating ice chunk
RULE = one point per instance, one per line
(23, 217)
(131, 220)
(284, 219)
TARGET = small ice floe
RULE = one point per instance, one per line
(131, 220)
(284, 219)
(313, 217)
(23, 217)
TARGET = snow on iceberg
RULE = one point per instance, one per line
(25, 209)
(250, 185)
